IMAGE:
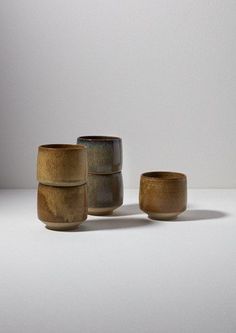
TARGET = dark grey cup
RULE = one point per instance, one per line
(104, 153)
(105, 193)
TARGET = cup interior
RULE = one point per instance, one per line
(62, 146)
(164, 175)
(98, 138)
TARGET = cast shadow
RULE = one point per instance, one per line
(126, 210)
(131, 209)
(111, 224)
(200, 214)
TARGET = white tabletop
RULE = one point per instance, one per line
(123, 273)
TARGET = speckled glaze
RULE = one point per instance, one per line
(104, 153)
(105, 193)
(62, 165)
(62, 208)
(163, 194)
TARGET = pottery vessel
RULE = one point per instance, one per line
(105, 193)
(62, 165)
(104, 153)
(163, 194)
(62, 208)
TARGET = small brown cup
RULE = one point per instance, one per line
(62, 208)
(62, 165)
(163, 194)
(104, 153)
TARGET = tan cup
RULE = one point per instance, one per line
(163, 194)
(62, 208)
(62, 165)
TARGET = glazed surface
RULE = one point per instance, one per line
(105, 192)
(62, 204)
(165, 194)
(62, 165)
(104, 153)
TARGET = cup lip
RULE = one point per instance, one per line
(164, 176)
(98, 138)
(62, 146)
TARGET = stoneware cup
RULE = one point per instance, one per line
(62, 208)
(104, 153)
(105, 193)
(163, 194)
(62, 165)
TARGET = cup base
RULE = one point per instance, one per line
(101, 211)
(163, 216)
(60, 226)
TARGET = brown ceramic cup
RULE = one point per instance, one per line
(62, 208)
(104, 153)
(62, 165)
(105, 193)
(163, 194)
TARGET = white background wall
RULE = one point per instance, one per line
(160, 74)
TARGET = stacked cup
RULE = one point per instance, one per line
(105, 184)
(62, 190)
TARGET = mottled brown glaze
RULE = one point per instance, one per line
(104, 153)
(62, 208)
(105, 193)
(62, 165)
(163, 194)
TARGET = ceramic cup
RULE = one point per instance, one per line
(62, 208)
(62, 165)
(104, 153)
(105, 193)
(163, 194)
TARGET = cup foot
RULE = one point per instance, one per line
(59, 226)
(101, 211)
(163, 216)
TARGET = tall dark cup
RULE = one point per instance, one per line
(105, 184)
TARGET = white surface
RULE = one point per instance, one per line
(160, 74)
(120, 274)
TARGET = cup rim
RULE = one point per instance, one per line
(61, 146)
(102, 138)
(164, 176)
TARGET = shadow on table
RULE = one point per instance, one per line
(126, 210)
(110, 223)
(200, 214)
(133, 209)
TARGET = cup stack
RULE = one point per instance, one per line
(62, 190)
(105, 184)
